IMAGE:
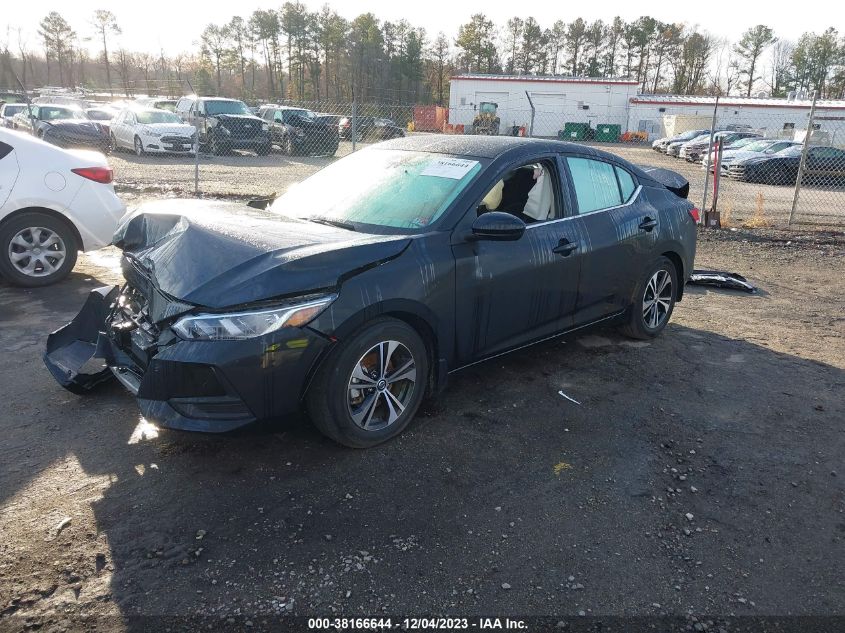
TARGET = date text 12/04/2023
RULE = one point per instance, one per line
(416, 623)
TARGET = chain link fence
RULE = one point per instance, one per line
(747, 166)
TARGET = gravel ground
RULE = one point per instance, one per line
(244, 175)
(701, 473)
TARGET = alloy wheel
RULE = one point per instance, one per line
(657, 299)
(381, 385)
(37, 252)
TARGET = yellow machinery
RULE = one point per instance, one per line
(486, 121)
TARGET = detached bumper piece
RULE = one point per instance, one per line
(731, 281)
(78, 354)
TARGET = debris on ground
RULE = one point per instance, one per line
(568, 398)
(719, 279)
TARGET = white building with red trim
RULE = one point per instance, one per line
(770, 116)
(559, 100)
(556, 100)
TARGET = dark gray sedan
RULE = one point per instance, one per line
(359, 291)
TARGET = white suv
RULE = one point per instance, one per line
(53, 203)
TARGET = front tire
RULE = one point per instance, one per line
(653, 302)
(139, 147)
(37, 249)
(370, 388)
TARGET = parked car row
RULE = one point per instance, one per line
(748, 157)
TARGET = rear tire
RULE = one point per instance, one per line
(389, 394)
(653, 302)
(36, 249)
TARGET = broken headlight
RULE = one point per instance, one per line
(235, 326)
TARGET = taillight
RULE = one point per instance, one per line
(695, 214)
(102, 175)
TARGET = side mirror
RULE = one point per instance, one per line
(498, 226)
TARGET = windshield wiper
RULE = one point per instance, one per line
(338, 223)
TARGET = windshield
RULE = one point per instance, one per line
(226, 107)
(99, 115)
(688, 136)
(290, 116)
(151, 117)
(53, 113)
(756, 146)
(387, 188)
(170, 106)
(743, 142)
(9, 110)
(702, 138)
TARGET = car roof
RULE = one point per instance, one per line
(144, 108)
(270, 106)
(217, 99)
(488, 146)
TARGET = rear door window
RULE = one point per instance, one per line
(595, 184)
(626, 184)
(5, 150)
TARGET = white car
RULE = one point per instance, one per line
(148, 130)
(8, 111)
(53, 203)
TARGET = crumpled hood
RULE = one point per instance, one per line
(219, 254)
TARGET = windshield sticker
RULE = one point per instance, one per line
(455, 168)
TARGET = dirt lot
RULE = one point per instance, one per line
(701, 473)
(245, 175)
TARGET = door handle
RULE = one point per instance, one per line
(648, 224)
(565, 247)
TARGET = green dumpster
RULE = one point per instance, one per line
(574, 131)
(608, 132)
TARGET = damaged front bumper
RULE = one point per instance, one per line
(208, 386)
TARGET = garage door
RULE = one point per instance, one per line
(550, 114)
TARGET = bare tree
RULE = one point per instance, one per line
(105, 24)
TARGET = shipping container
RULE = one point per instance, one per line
(430, 118)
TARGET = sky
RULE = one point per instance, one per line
(150, 25)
